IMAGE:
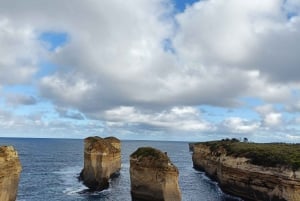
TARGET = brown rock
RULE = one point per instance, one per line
(153, 176)
(252, 182)
(102, 160)
(10, 168)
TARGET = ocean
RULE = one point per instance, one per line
(51, 167)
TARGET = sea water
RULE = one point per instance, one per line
(51, 167)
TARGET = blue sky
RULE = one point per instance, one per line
(156, 70)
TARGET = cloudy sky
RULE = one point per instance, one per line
(150, 69)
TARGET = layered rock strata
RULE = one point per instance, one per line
(10, 169)
(237, 176)
(153, 177)
(102, 160)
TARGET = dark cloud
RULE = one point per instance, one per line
(21, 99)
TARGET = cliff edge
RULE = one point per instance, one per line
(10, 169)
(153, 177)
(255, 172)
(102, 160)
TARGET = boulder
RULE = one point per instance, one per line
(10, 169)
(153, 177)
(102, 160)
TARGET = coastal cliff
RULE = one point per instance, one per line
(153, 177)
(10, 168)
(102, 160)
(243, 173)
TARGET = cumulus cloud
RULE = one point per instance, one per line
(140, 63)
(177, 118)
(249, 34)
(19, 53)
(239, 125)
(20, 99)
(270, 117)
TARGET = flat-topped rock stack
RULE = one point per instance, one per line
(153, 176)
(10, 169)
(102, 160)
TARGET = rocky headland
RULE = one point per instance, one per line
(255, 172)
(10, 169)
(102, 160)
(153, 177)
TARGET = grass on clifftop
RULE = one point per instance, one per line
(148, 151)
(264, 154)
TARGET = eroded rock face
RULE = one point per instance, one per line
(251, 182)
(153, 176)
(10, 169)
(102, 160)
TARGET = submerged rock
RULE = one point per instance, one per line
(153, 177)
(102, 160)
(10, 168)
(237, 176)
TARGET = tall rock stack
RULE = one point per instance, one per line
(153, 176)
(10, 169)
(102, 160)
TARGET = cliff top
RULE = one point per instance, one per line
(112, 139)
(98, 144)
(149, 152)
(8, 152)
(151, 157)
(9, 160)
(264, 154)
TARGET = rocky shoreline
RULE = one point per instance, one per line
(237, 176)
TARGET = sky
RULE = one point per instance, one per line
(151, 70)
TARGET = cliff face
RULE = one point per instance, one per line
(10, 168)
(102, 160)
(251, 182)
(153, 176)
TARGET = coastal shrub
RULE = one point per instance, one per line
(148, 151)
(264, 154)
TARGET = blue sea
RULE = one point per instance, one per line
(51, 167)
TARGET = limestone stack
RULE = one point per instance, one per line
(102, 160)
(10, 169)
(153, 176)
(251, 182)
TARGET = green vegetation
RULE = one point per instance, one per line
(148, 151)
(264, 154)
(93, 139)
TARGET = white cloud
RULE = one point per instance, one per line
(115, 67)
(177, 118)
(223, 32)
(19, 52)
(239, 125)
(273, 119)
(70, 89)
(270, 117)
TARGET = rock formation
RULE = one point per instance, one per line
(10, 168)
(102, 160)
(237, 176)
(153, 176)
